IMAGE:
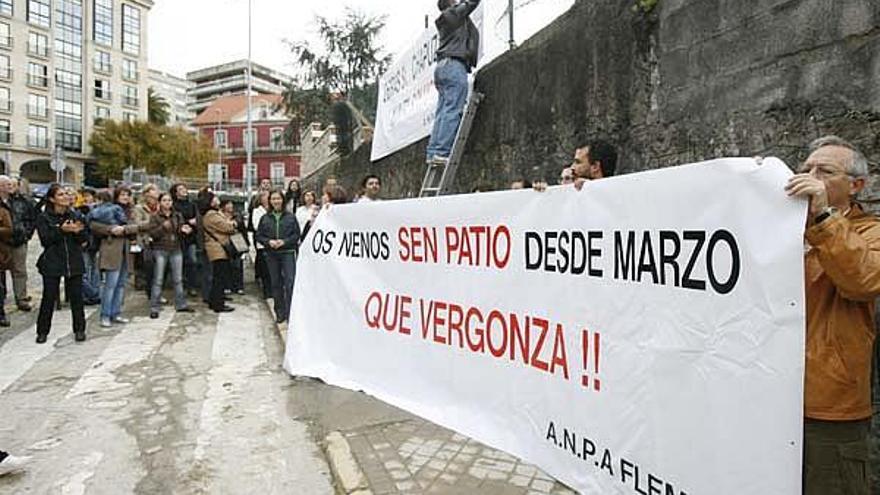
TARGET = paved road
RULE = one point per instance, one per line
(187, 403)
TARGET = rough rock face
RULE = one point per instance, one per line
(692, 80)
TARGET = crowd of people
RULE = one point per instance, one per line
(93, 240)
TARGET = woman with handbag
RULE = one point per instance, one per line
(236, 281)
(279, 232)
(217, 229)
(167, 229)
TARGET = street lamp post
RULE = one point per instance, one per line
(250, 140)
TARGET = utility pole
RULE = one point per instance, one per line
(510, 23)
(250, 140)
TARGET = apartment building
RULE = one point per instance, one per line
(66, 65)
(214, 82)
(175, 91)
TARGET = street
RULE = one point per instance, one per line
(198, 403)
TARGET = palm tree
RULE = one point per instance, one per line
(157, 108)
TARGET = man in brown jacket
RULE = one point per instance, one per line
(842, 279)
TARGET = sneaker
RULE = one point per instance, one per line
(163, 300)
(438, 160)
(240, 292)
(154, 315)
(13, 463)
(121, 319)
(106, 323)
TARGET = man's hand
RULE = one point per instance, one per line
(117, 230)
(71, 227)
(193, 222)
(276, 243)
(807, 186)
(186, 229)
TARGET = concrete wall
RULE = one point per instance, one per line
(693, 80)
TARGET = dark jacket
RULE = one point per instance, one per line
(5, 238)
(62, 251)
(166, 238)
(188, 210)
(24, 219)
(459, 37)
(285, 228)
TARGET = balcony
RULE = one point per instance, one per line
(38, 81)
(41, 142)
(103, 95)
(6, 106)
(38, 50)
(106, 69)
(130, 101)
(37, 111)
(5, 41)
(5, 137)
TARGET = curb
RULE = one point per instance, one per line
(345, 468)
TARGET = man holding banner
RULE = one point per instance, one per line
(456, 56)
(842, 281)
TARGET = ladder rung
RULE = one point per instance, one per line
(430, 189)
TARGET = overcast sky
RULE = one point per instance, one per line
(185, 35)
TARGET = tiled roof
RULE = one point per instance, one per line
(226, 108)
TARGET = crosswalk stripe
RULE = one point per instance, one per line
(21, 353)
(136, 341)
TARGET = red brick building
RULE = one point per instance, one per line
(224, 123)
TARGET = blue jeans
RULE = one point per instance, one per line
(282, 271)
(113, 294)
(91, 277)
(160, 260)
(451, 81)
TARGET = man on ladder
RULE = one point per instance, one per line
(456, 56)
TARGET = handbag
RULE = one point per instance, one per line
(239, 243)
(232, 250)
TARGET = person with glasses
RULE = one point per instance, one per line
(842, 275)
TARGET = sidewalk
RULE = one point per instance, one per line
(375, 448)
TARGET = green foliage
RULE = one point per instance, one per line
(645, 6)
(158, 110)
(347, 64)
(159, 149)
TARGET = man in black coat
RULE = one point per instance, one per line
(24, 219)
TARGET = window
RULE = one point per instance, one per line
(130, 70)
(38, 75)
(68, 55)
(38, 136)
(5, 101)
(6, 7)
(220, 138)
(130, 96)
(38, 44)
(250, 137)
(38, 106)
(5, 135)
(277, 138)
(277, 172)
(103, 27)
(102, 89)
(129, 117)
(101, 113)
(131, 29)
(102, 62)
(39, 12)
(250, 174)
(5, 69)
(5, 38)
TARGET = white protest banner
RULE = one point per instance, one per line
(407, 97)
(642, 336)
